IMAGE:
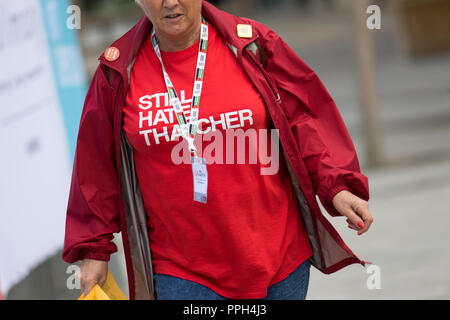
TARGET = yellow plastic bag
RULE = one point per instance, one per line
(109, 291)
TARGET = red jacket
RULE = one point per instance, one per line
(105, 197)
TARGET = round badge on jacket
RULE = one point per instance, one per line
(112, 54)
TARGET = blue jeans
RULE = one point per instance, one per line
(294, 287)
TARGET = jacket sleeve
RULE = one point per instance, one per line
(324, 142)
(92, 211)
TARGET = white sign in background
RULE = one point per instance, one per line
(35, 165)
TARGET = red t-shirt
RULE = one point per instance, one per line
(249, 234)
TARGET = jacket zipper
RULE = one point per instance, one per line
(268, 78)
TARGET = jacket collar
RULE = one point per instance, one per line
(130, 44)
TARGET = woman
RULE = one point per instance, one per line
(202, 229)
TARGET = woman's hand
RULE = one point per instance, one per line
(92, 272)
(355, 209)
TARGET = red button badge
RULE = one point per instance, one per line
(112, 54)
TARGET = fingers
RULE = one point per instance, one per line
(92, 272)
(355, 209)
(88, 280)
(86, 286)
(351, 225)
(353, 219)
(360, 218)
(101, 281)
(366, 216)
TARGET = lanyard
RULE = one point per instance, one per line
(188, 130)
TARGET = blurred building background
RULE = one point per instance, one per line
(403, 112)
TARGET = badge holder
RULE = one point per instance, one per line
(200, 175)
